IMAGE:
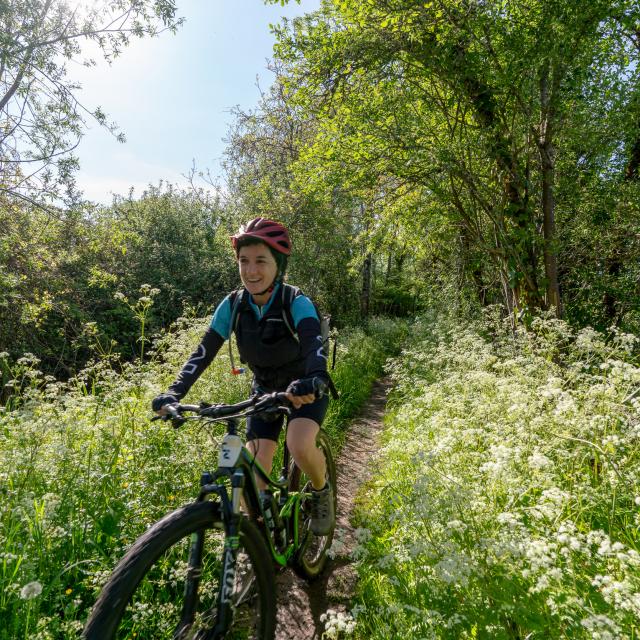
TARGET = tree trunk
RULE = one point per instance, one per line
(472, 266)
(549, 232)
(547, 159)
(631, 171)
(525, 288)
(365, 296)
(614, 261)
(365, 293)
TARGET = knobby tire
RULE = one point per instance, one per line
(139, 584)
(311, 559)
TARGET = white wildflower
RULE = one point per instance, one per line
(336, 623)
(601, 627)
(566, 404)
(362, 535)
(454, 569)
(338, 546)
(31, 590)
(508, 519)
(538, 461)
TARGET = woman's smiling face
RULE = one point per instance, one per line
(258, 269)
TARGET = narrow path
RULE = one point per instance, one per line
(300, 604)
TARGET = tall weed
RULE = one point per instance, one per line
(360, 359)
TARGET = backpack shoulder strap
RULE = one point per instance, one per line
(289, 293)
(235, 299)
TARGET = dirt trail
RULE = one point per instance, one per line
(300, 604)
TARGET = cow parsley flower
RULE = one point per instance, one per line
(337, 622)
(538, 461)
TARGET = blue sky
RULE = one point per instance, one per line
(171, 95)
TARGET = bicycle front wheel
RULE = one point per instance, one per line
(168, 583)
(311, 557)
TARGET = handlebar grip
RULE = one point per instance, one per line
(177, 420)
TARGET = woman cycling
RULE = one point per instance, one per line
(279, 359)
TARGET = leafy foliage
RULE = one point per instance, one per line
(66, 279)
(478, 120)
(41, 116)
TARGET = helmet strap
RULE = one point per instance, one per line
(269, 289)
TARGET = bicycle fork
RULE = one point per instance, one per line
(192, 582)
(225, 602)
(223, 612)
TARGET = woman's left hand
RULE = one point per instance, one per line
(298, 401)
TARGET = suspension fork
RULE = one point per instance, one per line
(194, 567)
(192, 582)
(231, 519)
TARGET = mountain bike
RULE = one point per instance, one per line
(206, 570)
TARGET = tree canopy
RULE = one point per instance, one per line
(448, 152)
(41, 113)
(485, 113)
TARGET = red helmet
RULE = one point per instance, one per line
(270, 232)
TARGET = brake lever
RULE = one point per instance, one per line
(319, 387)
(176, 418)
(177, 421)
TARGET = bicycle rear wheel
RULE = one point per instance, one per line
(311, 557)
(152, 593)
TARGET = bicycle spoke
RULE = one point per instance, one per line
(311, 556)
(155, 610)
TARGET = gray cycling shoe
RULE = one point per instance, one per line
(323, 515)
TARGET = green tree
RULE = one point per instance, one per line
(41, 114)
(470, 106)
(71, 282)
(263, 146)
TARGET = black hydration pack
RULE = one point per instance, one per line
(289, 294)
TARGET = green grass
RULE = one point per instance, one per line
(84, 472)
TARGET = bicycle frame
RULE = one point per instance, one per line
(230, 583)
(238, 468)
(234, 457)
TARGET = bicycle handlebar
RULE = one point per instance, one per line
(257, 404)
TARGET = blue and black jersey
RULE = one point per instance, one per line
(275, 356)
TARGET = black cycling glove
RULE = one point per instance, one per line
(164, 398)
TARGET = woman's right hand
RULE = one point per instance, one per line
(158, 404)
(305, 391)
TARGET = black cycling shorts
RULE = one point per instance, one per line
(270, 429)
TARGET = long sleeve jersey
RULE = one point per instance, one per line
(275, 356)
